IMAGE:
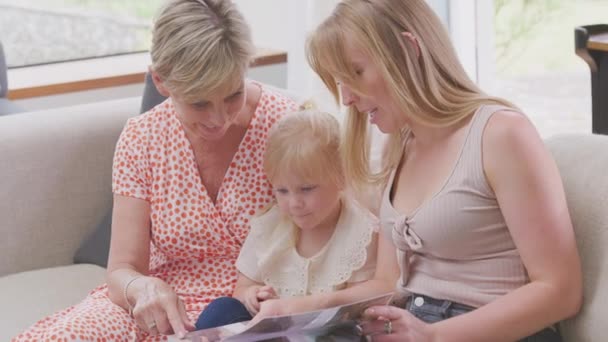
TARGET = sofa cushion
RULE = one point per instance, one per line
(582, 161)
(29, 296)
(96, 247)
(56, 168)
(9, 107)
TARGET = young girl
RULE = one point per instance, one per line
(314, 240)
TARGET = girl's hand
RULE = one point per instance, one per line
(389, 323)
(270, 308)
(158, 309)
(285, 306)
(257, 294)
(266, 292)
(250, 299)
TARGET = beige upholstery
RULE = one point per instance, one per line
(56, 186)
(583, 164)
(29, 296)
(56, 180)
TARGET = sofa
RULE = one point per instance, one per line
(55, 176)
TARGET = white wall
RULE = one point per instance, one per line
(285, 24)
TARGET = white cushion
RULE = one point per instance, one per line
(29, 296)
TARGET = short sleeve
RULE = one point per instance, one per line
(130, 170)
(369, 268)
(262, 244)
(247, 262)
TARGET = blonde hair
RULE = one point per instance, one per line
(306, 144)
(200, 47)
(432, 88)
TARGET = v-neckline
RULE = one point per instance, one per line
(441, 189)
(239, 150)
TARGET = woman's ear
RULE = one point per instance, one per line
(412, 40)
(158, 83)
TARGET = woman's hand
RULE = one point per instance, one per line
(158, 309)
(389, 323)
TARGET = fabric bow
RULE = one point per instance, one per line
(407, 241)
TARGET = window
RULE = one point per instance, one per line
(45, 31)
(534, 63)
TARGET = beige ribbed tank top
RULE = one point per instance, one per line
(456, 246)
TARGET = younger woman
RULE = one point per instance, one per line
(314, 240)
(472, 200)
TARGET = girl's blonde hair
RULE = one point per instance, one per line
(305, 144)
(200, 47)
(432, 88)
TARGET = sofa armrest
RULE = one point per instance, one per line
(55, 168)
(582, 161)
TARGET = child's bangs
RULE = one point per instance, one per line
(307, 167)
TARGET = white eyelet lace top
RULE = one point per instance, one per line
(269, 253)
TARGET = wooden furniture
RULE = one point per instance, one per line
(99, 73)
(592, 46)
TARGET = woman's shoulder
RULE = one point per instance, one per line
(275, 102)
(509, 137)
(508, 127)
(151, 123)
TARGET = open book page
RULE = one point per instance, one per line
(307, 326)
(213, 334)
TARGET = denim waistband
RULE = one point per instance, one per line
(436, 302)
(432, 310)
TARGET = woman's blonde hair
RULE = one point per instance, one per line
(305, 144)
(432, 88)
(200, 47)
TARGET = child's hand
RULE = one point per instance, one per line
(250, 299)
(265, 293)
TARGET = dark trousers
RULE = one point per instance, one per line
(222, 311)
(432, 310)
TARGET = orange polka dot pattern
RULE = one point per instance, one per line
(194, 242)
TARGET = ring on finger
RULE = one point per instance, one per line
(388, 327)
(358, 330)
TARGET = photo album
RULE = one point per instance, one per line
(332, 324)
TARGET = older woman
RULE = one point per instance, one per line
(187, 177)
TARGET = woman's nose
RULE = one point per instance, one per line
(348, 97)
(219, 117)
